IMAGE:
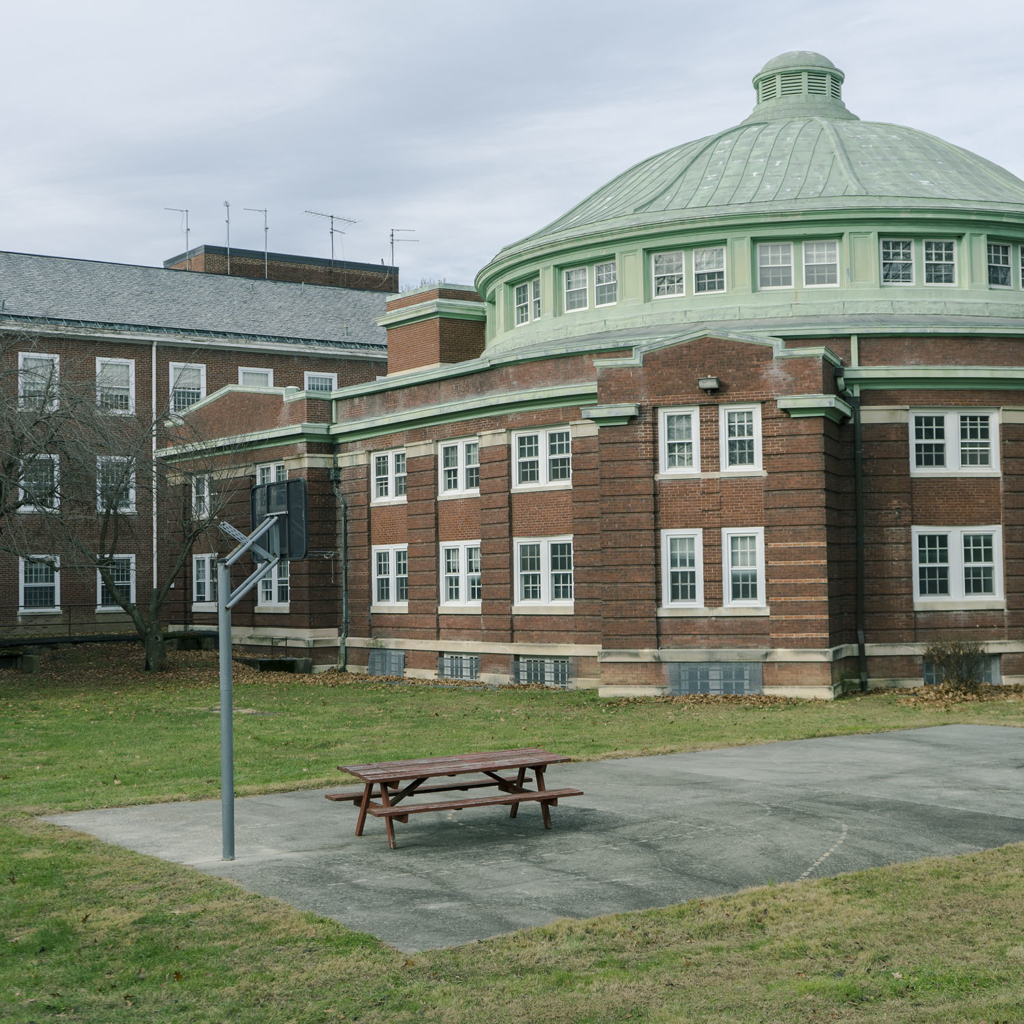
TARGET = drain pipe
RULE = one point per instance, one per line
(335, 486)
(858, 486)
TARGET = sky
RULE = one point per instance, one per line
(472, 122)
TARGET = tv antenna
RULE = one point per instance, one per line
(227, 220)
(332, 217)
(266, 254)
(395, 231)
(188, 258)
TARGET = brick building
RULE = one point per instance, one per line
(152, 343)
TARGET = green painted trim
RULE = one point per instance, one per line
(830, 406)
(940, 378)
(450, 309)
(294, 434)
(810, 352)
(611, 415)
(553, 397)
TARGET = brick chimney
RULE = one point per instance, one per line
(433, 325)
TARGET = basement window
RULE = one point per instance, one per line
(714, 678)
(458, 666)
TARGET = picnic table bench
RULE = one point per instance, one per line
(383, 780)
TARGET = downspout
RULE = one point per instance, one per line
(152, 377)
(335, 486)
(858, 491)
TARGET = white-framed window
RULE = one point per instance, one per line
(204, 580)
(527, 301)
(991, 671)
(821, 264)
(316, 381)
(544, 571)
(115, 385)
(575, 283)
(460, 574)
(606, 284)
(897, 261)
(38, 377)
(682, 568)
(775, 265)
(543, 457)
(389, 476)
(999, 273)
(709, 269)
(679, 440)
(953, 441)
(962, 563)
(122, 570)
(939, 262)
(743, 582)
(255, 377)
(739, 432)
(667, 274)
(458, 465)
(39, 583)
(202, 496)
(115, 483)
(391, 576)
(271, 473)
(39, 483)
(188, 385)
(274, 586)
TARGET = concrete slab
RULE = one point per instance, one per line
(649, 832)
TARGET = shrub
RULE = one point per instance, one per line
(958, 664)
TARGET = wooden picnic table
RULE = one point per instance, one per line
(384, 780)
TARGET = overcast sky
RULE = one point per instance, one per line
(474, 122)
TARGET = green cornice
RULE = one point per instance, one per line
(935, 378)
(296, 433)
(830, 406)
(611, 415)
(450, 309)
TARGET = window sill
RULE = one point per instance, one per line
(559, 485)
(692, 475)
(109, 609)
(403, 500)
(389, 609)
(39, 611)
(204, 606)
(729, 611)
(448, 495)
(945, 474)
(459, 609)
(543, 609)
(962, 605)
(271, 609)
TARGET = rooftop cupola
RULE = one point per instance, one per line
(800, 83)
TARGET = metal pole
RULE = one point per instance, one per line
(227, 220)
(227, 760)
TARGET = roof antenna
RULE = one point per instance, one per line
(227, 220)
(188, 257)
(393, 240)
(266, 255)
(332, 217)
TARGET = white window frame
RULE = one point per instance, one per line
(663, 440)
(53, 609)
(461, 489)
(727, 599)
(174, 370)
(602, 269)
(805, 248)
(55, 460)
(115, 607)
(546, 602)
(566, 289)
(763, 248)
(102, 361)
(953, 452)
(528, 311)
(268, 591)
(202, 496)
(127, 508)
(390, 478)
(989, 245)
(315, 373)
(461, 575)
(940, 263)
(256, 369)
(274, 472)
(24, 400)
(679, 285)
(955, 546)
(390, 603)
(882, 262)
(544, 457)
(667, 536)
(723, 438)
(724, 269)
(208, 603)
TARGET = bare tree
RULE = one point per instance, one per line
(79, 476)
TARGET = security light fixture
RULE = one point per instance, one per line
(708, 384)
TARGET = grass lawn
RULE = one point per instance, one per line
(91, 932)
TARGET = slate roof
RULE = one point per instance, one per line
(124, 296)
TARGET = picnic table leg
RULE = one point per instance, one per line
(544, 804)
(385, 799)
(514, 809)
(367, 790)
